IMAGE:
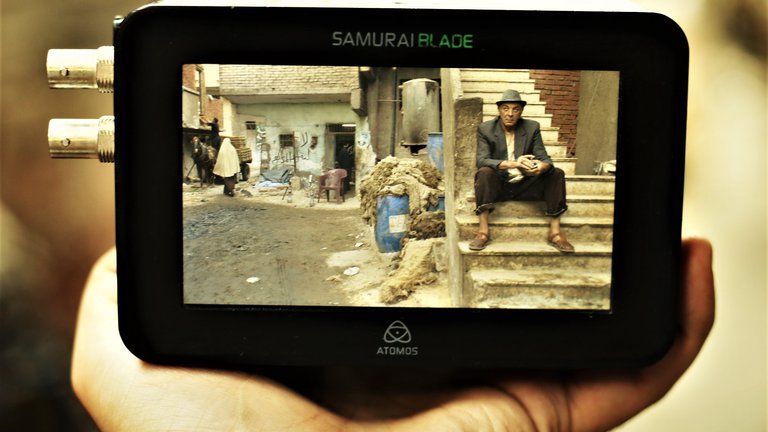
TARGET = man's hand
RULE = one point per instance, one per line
(530, 167)
(526, 162)
(523, 163)
(122, 392)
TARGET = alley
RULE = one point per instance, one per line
(263, 250)
(258, 249)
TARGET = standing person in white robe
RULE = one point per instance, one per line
(227, 166)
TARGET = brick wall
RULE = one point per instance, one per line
(188, 76)
(259, 79)
(212, 108)
(215, 109)
(560, 91)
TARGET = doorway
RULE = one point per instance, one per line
(344, 151)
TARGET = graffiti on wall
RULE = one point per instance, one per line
(303, 148)
(364, 140)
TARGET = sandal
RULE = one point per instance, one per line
(480, 241)
(561, 243)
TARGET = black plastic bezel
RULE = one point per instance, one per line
(649, 51)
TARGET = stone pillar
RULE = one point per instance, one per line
(460, 118)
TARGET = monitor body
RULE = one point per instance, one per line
(163, 321)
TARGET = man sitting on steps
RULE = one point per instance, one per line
(514, 165)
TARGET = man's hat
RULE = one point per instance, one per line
(512, 96)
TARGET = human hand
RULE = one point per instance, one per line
(539, 167)
(123, 393)
(526, 162)
(523, 163)
(531, 167)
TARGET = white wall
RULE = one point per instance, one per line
(212, 75)
(365, 156)
(190, 108)
(304, 121)
(231, 124)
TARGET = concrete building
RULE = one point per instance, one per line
(293, 116)
(306, 118)
(199, 86)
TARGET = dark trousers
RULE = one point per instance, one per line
(492, 187)
(229, 184)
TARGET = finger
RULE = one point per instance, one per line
(593, 400)
(121, 392)
(481, 409)
(698, 316)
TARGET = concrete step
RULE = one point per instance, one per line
(590, 185)
(497, 86)
(566, 164)
(550, 134)
(538, 289)
(578, 205)
(519, 255)
(559, 150)
(536, 229)
(495, 74)
(490, 97)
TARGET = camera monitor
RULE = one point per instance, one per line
(306, 186)
(284, 241)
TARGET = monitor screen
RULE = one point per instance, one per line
(361, 186)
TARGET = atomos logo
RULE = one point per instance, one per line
(399, 337)
(397, 332)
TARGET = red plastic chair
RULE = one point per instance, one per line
(333, 180)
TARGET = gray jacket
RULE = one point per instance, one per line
(492, 144)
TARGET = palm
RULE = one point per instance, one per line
(123, 393)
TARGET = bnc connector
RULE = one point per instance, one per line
(82, 69)
(82, 138)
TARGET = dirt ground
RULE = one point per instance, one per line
(258, 249)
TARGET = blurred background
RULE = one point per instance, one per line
(57, 216)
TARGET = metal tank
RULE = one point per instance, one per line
(421, 111)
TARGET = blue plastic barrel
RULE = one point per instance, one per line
(435, 149)
(391, 222)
